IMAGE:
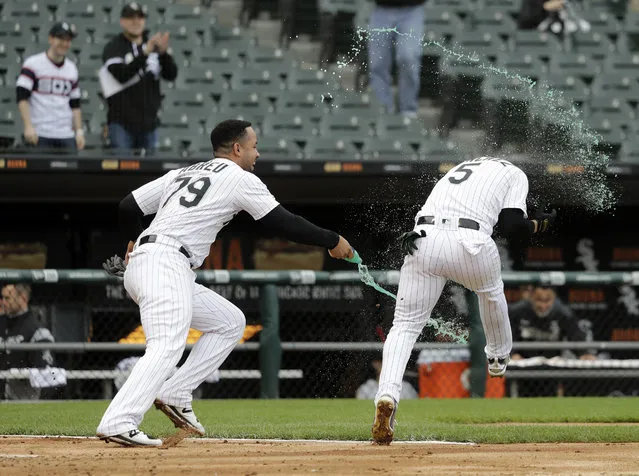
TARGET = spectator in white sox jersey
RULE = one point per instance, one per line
(48, 95)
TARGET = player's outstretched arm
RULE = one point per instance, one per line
(298, 229)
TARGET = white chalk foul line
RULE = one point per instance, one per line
(266, 440)
(4, 455)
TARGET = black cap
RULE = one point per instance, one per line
(133, 9)
(62, 29)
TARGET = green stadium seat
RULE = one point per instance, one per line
(612, 107)
(614, 7)
(622, 63)
(288, 126)
(375, 148)
(12, 28)
(205, 79)
(602, 22)
(511, 7)
(399, 127)
(10, 136)
(252, 104)
(301, 102)
(481, 43)
(574, 64)
(348, 102)
(179, 13)
(345, 125)
(629, 151)
(9, 72)
(440, 24)
(311, 81)
(338, 6)
(78, 12)
(7, 96)
(329, 148)
(24, 9)
(572, 87)
(526, 65)
(492, 19)
(506, 110)
(265, 58)
(91, 55)
(177, 122)
(256, 81)
(103, 33)
(34, 27)
(456, 6)
(533, 42)
(435, 149)
(274, 148)
(94, 141)
(619, 85)
(594, 44)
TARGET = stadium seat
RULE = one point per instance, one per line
(88, 74)
(602, 22)
(251, 104)
(288, 126)
(612, 107)
(265, 58)
(301, 102)
(9, 72)
(256, 80)
(526, 65)
(344, 125)
(533, 42)
(205, 79)
(177, 122)
(338, 6)
(311, 81)
(572, 87)
(506, 110)
(574, 64)
(103, 33)
(11, 28)
(91, 55)
(631, 29)
(622, 63)
(456, 6)
(437, 150)
(348, 102)
(271, 148)
(78, 12)
(24, 9)
(399, 127)
(195, 103)
(226, 57)
(329, 148)
(375, 148)
(482, 43)
(440, 24)
(594, 44)
(7, 96)
(187, 13)
(614, 7)
(616, 84)
(629, 151)
(492, 19)
(10, 135)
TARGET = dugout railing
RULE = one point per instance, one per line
(269, 349)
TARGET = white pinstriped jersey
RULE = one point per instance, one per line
(194, 203)
(478, 189)
(51, 86)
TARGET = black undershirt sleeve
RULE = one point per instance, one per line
(22, 94)
(295, 228)
(514, 225)
(131, 217)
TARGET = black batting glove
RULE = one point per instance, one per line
(407, 241)
(543, 221)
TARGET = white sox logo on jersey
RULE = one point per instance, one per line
(59, 86)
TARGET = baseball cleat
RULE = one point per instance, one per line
(384, 423)
(132, 438)
(497, 366)
(182, 418)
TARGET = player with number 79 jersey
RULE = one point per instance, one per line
(452, 240)
(191, 205)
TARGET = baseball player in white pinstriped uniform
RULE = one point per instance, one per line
(452, 240)
(191, 205)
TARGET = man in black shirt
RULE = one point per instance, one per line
(20, 324)
(130, 78)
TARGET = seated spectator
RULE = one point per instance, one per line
(407, 18)
(49, 97)
(20, 324)
(368, 389)
(555, 16)
(130, 80)
(543, 317)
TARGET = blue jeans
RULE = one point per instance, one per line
(123, 138)
(407, 21)
(57, 145)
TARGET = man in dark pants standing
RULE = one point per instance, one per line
(130, 80)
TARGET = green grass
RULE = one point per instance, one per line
(449, 420)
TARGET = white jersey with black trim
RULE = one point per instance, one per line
(194, 203)
(478, 189)
(51, 86)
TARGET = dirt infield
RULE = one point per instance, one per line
(64, 456)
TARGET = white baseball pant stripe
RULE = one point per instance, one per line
(467, 257)
(159, 278)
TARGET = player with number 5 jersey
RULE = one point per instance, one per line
(451, 239)
(191, 205)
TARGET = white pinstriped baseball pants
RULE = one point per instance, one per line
(159, 278)
(468, 257)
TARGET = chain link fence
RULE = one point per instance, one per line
(331, 330)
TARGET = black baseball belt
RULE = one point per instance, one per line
(463, 222)
(152, 238)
